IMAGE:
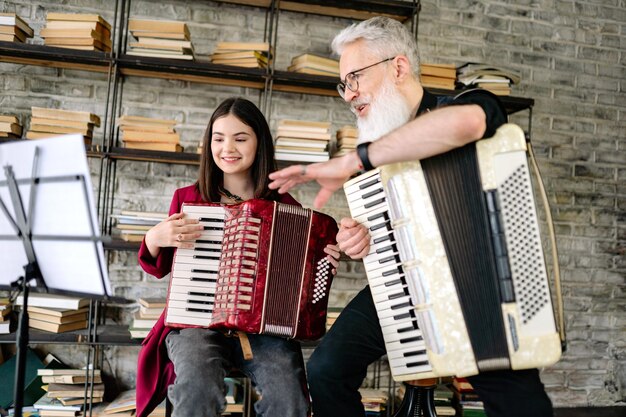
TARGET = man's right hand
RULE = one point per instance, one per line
(353, 238)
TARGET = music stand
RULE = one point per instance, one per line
(48, 229)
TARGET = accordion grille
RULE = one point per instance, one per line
(525, 251)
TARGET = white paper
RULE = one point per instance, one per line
(60, 209)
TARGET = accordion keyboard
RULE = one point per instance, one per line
(406, 349)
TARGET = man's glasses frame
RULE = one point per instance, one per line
(352, 80)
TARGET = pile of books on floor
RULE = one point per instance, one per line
(55, 313)
(314, 64)
(441, 76)
(65, 391)
(10, 127)
(123, 405)
(491, 78)
(133, 225)
(150, 134)
(465, 400)
(302, 141)
(374, 401)
(5, 316)
(46, 123)
(347, 137)
(88, 32)
(242, 54)
(13, 28)
(150, 310)
(160, 38)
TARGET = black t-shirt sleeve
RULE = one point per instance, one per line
(491, 105)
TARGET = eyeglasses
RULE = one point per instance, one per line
(352, 79)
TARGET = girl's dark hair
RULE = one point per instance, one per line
(211, 177)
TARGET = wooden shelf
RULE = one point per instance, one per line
(49, 56)
(106, 335)
(350, 9)
(154, 156)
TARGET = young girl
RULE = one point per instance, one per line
(189, 365)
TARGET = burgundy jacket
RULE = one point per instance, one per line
(155, 371)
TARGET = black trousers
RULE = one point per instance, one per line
(339, 364)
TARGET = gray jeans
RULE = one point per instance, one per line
(202, 358)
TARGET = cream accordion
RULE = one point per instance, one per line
(259, 267)
(456, 265)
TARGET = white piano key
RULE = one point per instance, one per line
(188, 298)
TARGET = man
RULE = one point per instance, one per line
(379, 66)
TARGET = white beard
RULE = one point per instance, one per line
(388, 111)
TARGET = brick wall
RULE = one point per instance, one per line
(572, 58)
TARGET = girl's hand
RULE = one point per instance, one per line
(333, 256)
(173, 232)
(353, 238)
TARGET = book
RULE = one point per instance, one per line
(125, 401)
(152, 302)
(81, 17)
(70, 379)
(243, 46)
(123, 226)
(11, 19)
(299, 157)
(65, 371)
(42, 121)
(140, 322)
(161, 43)
(58, 320)
(74, 42)
(60, 129)
(57, 328)
(437, 82)
(8, 119)
(318, 67)
(291, 133)
(316, 59)
(11, 128)
(138, 333)
(70, 390)
(141, 121)
(155, 146)
(57, 413)
(159, 55)
(32, 383)
(159, 26)
(138, 136)
(53, 300)
(462, 384)
(301, 143)
(240, 55)
(73, 34)
(439, 70)
(49, 403)
(306, 70)
(81, 116)
(304, 124)
(161, 35)
(12, 34)
(469, 70)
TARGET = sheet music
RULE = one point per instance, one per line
(60, 209)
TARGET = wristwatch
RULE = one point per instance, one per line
(361, 151)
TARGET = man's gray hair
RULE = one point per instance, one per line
(383, 36)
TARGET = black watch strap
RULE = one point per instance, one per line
(361, 151)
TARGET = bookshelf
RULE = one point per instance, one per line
(118, 66)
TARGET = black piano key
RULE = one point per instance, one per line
(414, 353)
(397, 295)
(380, 226)
(371, 193)
(389, 259)
(213, 228)
(198, 279)
(420, 363)
(402, 316)
(207, 250)
(374, 203)
(383, 215)
(205, 271)
(403, 305)
(387, 248)
(369, 184)
(411, 339)
(213, 242)
(200, 302)
(382, 238)
(215, 258)
(199, 310)
(201, 294)
(393, 282)
(393, 271)
(211, 220)
(408, 328)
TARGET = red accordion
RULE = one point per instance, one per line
(259, 267)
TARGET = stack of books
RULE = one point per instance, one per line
(133, 225)
(374, 401)
(13, 28)
(46, 123)
(347, 137)
(494, 79)
(160, 39)
(87, 32)
(65, 398)
(123, 405)
(441, 76)
(150, 310)
(331, 316)
(10, 127)
(242, 54)
(314, 64)
(150, 134)
(302, 141)
(5, 316)
(56, 313)
(465, 400)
